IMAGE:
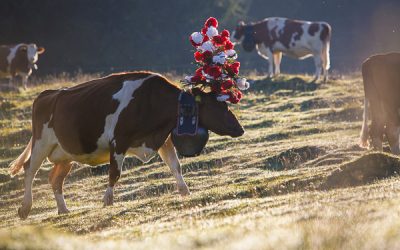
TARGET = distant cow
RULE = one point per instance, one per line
(298, 39)
(381, 76)
(19, 60)
(106, 119)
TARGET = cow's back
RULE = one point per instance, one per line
(295, 38)
(80, 113)
(381, 75)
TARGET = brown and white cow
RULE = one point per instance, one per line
(19, 60)
(106, 119)
(275, 36)
(381, 76)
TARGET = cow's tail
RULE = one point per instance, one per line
(18, 163)
(325, 36)
(326, 56)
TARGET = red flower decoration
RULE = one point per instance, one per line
(233, 68)
(198, 56)
(215, 61)
(204, 31)
(234, 97)
(219, 40)
(225, 33)
(207, 55)
(227, 84)
(199, 72)
(197, 79)
(228, 45)
(211, 22)
(214, 71)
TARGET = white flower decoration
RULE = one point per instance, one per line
(220, 58)
(231, 53)
(188, 79)
(242, 83)
(212, 31)
(197, 37)
(207, 46)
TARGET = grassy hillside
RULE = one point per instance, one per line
(296, 179)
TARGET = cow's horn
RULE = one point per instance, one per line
(222, 98)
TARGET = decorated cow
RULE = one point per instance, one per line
(133, 113)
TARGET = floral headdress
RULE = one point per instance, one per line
(217, 65)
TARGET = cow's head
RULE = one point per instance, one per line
(215, 115)
(244, 34)
(31, 52)
(238, 34)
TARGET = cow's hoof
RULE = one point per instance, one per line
(363, 144)
(23, 213)
(184, 191)
(108, 202)
(108, 197)
(63, 211)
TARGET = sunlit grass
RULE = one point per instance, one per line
(269, 189)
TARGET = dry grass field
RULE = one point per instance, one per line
(297, 179)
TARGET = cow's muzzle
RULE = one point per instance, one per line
(238, 132)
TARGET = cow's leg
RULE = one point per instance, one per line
(40, 151)
(377, 124)
(271, 64)
(364, 129)
(267, 54)
(114, 172)
(168, 155)
(393, 133)
(11, 81)
(25, 81)
(318, 66)
(56, 179)
(277, 62)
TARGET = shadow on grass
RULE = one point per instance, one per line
(363, 170)
(292, 158)
(269, 85)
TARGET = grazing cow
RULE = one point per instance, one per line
(298, 39)
(106, 119)
(19, 60)
(381, 76)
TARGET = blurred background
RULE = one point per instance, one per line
(118, 35)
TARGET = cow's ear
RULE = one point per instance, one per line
(40, 50)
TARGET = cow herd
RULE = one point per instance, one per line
(106, 119)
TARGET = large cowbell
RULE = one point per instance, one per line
(188, 137)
